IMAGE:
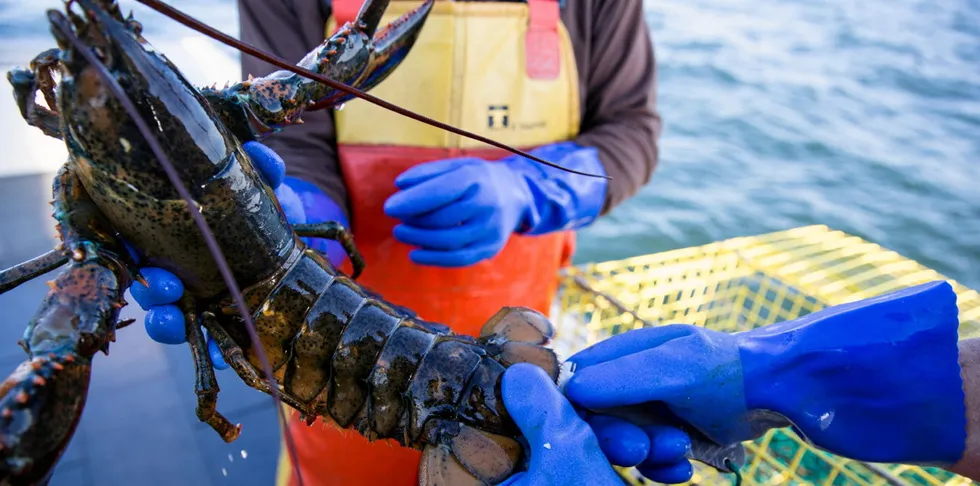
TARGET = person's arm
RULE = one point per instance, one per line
(620, 117)
(883, 379)
(290, 29)
(969, 465)
(438, 201)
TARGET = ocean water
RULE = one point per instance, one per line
(864, 116)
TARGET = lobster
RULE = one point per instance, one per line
(289, 323)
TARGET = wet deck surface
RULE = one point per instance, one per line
(139, 426)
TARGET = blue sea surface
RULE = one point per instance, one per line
(863, 116)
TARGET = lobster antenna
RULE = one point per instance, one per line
(60, 22)
(209, 31)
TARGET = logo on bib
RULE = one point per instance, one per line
(498, 116)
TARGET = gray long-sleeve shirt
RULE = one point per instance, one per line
(617, 83)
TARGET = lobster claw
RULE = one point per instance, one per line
(361, 58)
(357, 55)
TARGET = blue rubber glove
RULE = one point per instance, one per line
(657, 452)
(564, 449)
(876, 380)
(301, 201)
(462, 211)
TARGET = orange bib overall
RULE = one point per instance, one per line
(503, 70)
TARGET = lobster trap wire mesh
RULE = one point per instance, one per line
(743, 283)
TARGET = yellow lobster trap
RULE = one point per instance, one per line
(742, 283)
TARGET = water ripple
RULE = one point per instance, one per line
(860, 115)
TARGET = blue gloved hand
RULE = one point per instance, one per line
(658, 452)
(564, 449)
(461, 211)
(301, 201)
(876, 380)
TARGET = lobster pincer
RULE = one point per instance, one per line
(357, 55)
(386, 49)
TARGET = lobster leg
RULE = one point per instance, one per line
(333, 230)
(31, 269)
(27, 83)
(205, 383)
(79, 221)
(236, 359)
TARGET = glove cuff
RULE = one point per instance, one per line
(318, 208)
(560, 200)
(876, 380)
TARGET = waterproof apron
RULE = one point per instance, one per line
(504, 70)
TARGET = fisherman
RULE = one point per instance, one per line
(450, 228)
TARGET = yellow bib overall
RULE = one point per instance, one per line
(502, 70)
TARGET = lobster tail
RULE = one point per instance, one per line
(512, 335)
(469, 457)
(478, 445)
(342, 353)
(521, 335)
